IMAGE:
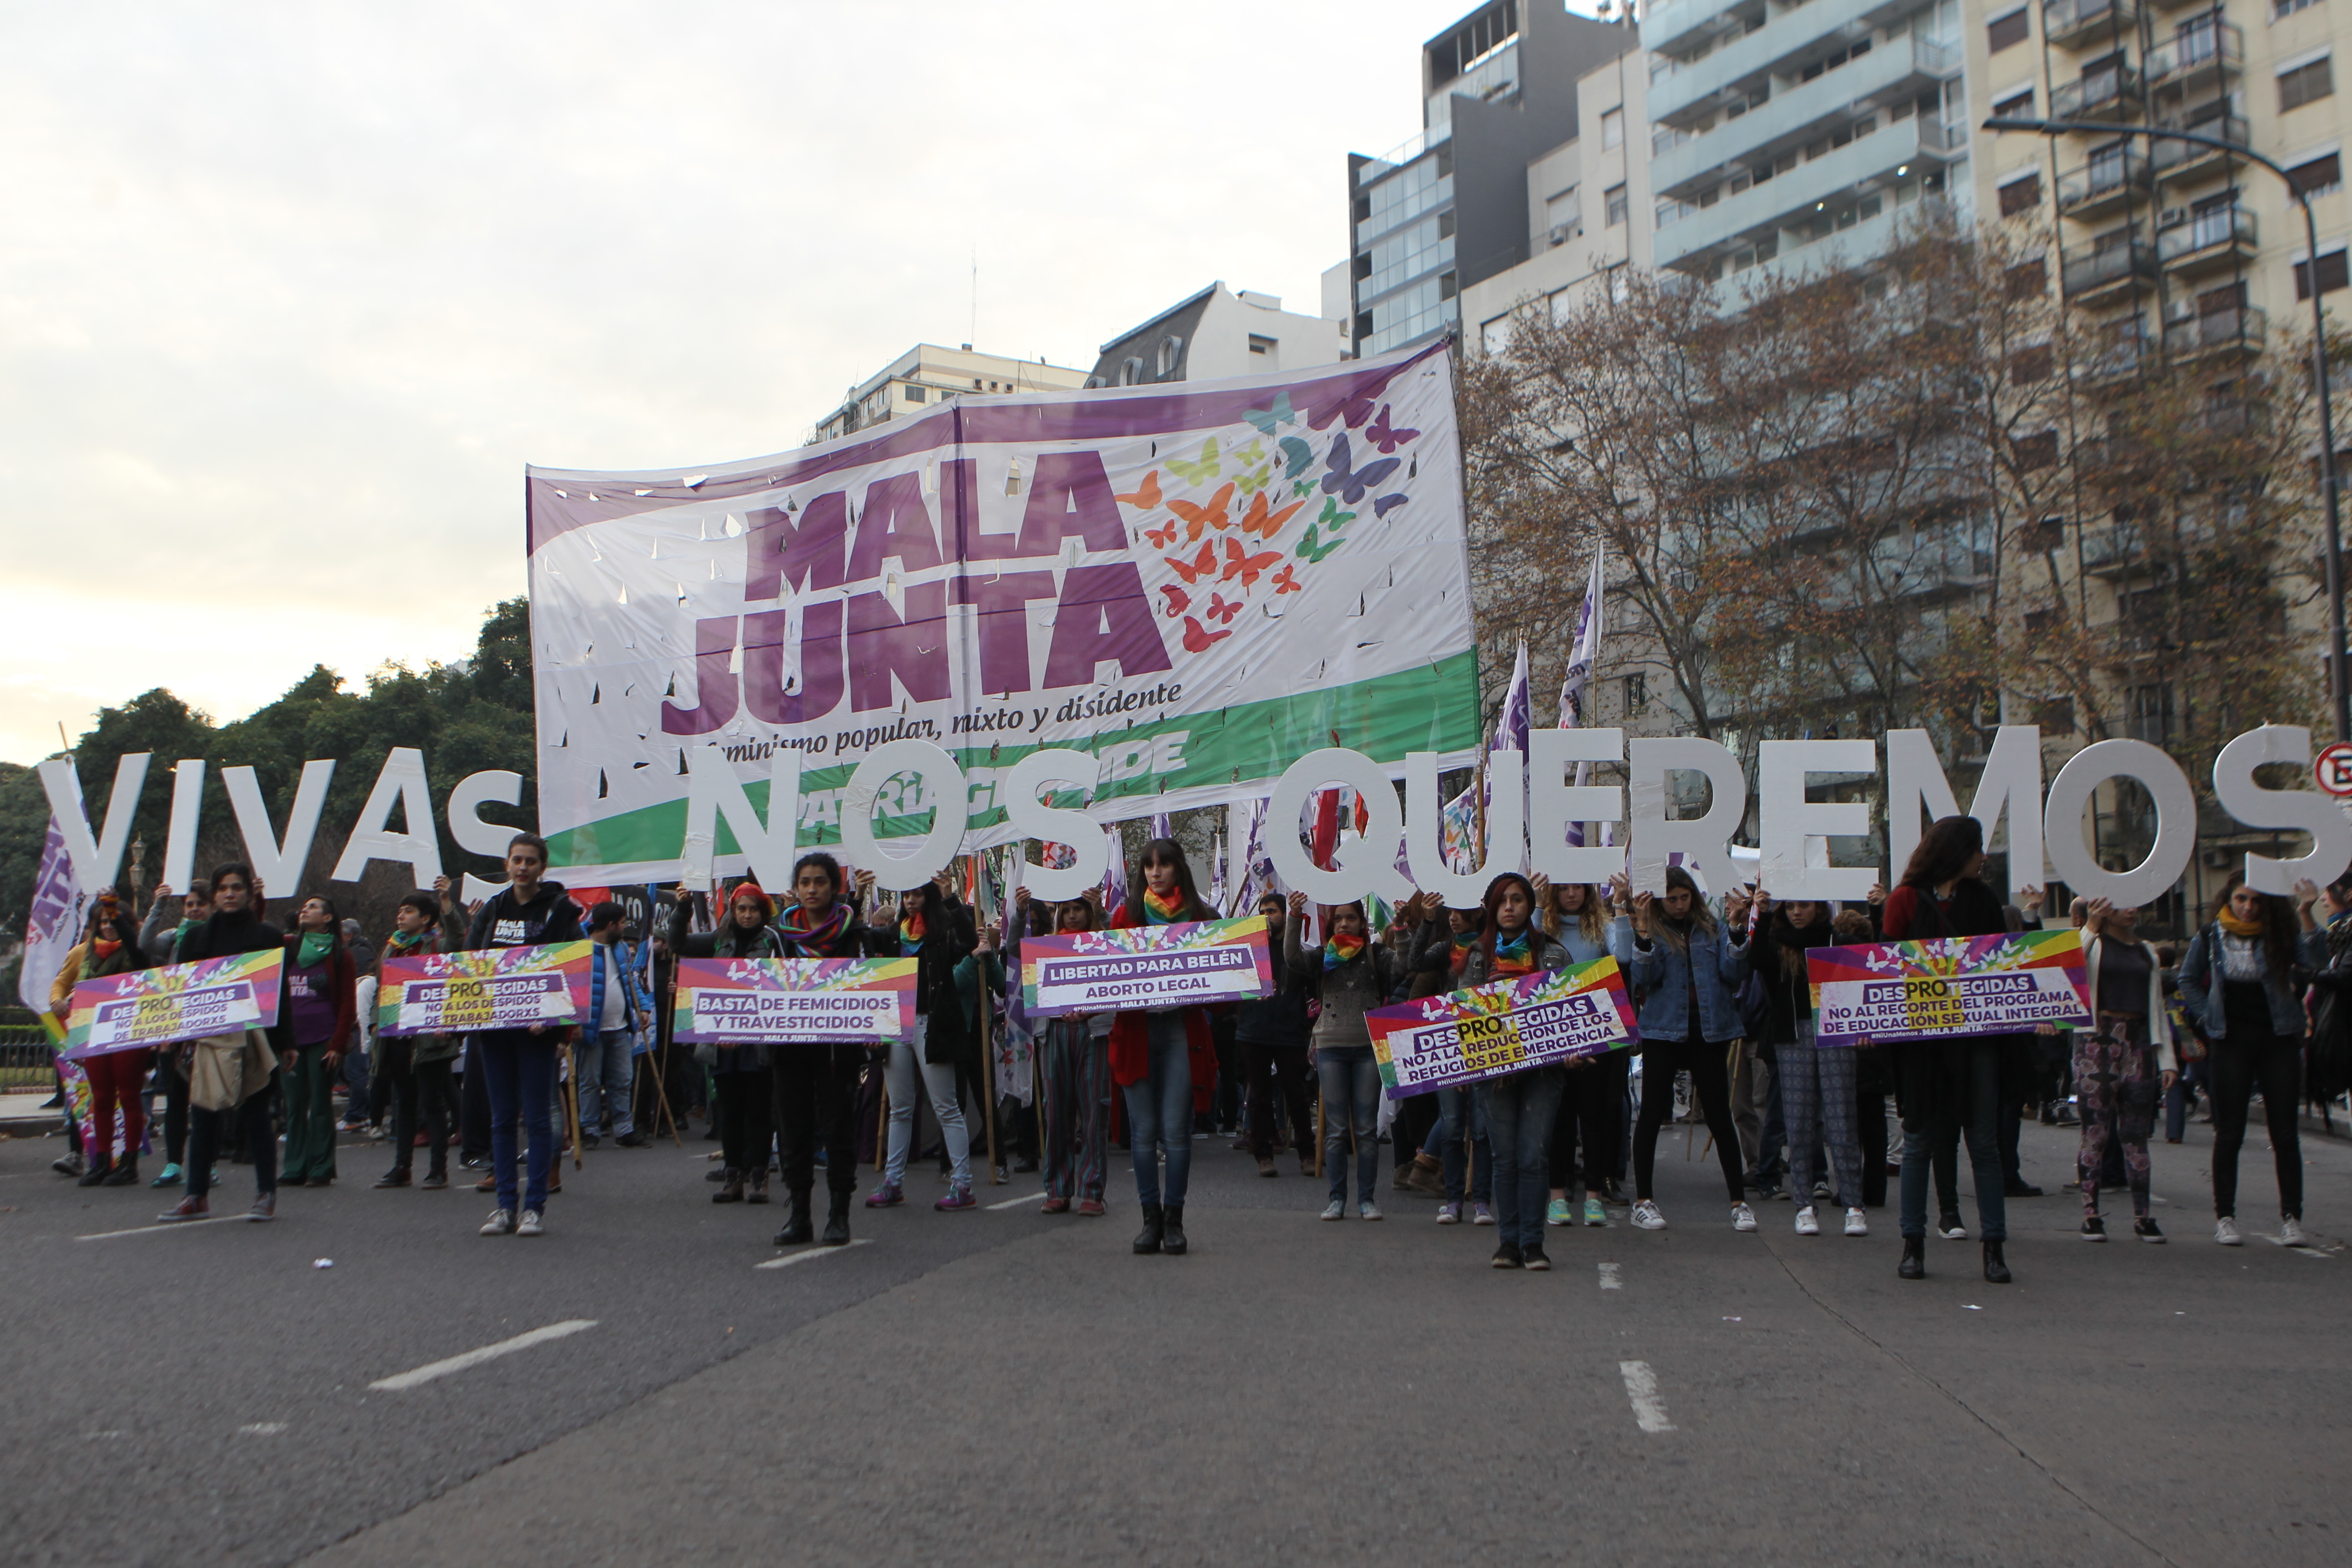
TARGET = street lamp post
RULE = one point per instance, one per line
(2337, 689)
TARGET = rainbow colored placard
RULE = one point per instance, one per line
(793, 1001)
(142, 1007)
(1178, 965)
(496, 988)
(1962, 985)
(1530, 1021)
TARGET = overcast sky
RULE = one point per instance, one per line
(290, 293)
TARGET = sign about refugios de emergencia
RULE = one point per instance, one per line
(1193, 586)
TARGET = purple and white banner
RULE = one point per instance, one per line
(1182, 965)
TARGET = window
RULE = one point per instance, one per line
(2056, 716)
(914, 392)
(1637, 696)
(2027, 279)
(1612, 128)
(2034, 452)
(2333, 274)
(2151, 706)
(1170, 347)
(2317, 176)
(1620, 284)
(2304, 84)
(2021, 194)
(2017, 105)
(1616, 200)
(2028, 366)
(1262, 348)
(2042, 536)
(1494, 336)
(2289, 7)
(2004, 31)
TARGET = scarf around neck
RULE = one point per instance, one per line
(1516, 956)
(314, 947)
(1341, 948)
(910, 933)
(1464, 941)
(1163, 909)
(403, 944)
(803, 931)
(2236, 927)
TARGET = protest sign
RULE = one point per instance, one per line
(496, 988)
(1963, 985)
(1530, 1020)
(1146, 967)
(820, 1001)
(142, 1007)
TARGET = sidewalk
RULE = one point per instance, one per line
(21, 1115)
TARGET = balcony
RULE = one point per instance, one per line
(1677, 25)
(2183, 161)
(2207, 241)
(1690, 90)
(1865, 164)
(2222, 334)
(1683, 164)
(2205, 55)
(2118, 359)
(2069, 23)
(2100, 277)
(2102, 185)
(2112, 93)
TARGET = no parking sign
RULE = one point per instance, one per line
(2333, 768)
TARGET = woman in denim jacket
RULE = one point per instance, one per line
(1687, 970)
(2239, 988)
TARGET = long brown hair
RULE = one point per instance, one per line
(1943, 852)
(1702, 918)
(1592, 921)
(1491, 905)
(2278, 924)
(1173, 853)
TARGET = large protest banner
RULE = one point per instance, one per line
(1177, 966)
(820, 1001)
(1197, 584)
(1531, 1020)
(1961, 985)
(142, 1007)
(496, 988)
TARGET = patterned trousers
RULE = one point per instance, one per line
(2115, 1082)
(1817, 1101)
(1074, 1078)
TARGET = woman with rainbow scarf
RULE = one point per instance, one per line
(1351, 977)
(816, 1082)
(935, 929)
(1154, 1054)
(1519, 1106)
(745, 1084)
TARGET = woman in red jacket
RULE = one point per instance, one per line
(322, 1003)
(1153, 1054)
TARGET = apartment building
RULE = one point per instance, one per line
(1216, 332)
(927, 373)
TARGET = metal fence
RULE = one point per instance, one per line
(24, 1050)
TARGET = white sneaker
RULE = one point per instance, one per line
(501, 1222)
(2225, 1231)
(2291, 1234)
(1449, 1213)
(532, 1224)
(1856, 1222)
(1955, 1231)
(1368, 1210)
(1742, 1217)
(1647, 1217)
(1482, 1213)
(1335, 1209)
(1808, 1223)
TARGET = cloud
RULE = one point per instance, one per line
(289, 294)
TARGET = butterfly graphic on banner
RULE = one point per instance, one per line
(1350, 485)
(1198, 473)
(1197, 518)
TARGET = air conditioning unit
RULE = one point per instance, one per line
(2180, 310)
(1562, 233)
(2172, 218)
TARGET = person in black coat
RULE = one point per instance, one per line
(519, 1065)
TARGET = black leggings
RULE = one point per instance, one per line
(251, 1117)
(746, 1118)
(816, 1099)
(2273, 1062)
(1585, 1131)
(174, 1084)
(415, 1086)
(1704, 1061)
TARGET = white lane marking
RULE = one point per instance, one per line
(1611, 1278)
(807, 1253)
(149, 1229)
(1641, 1388)
(1016, 1203)
(432, 1370)
(262, 1429)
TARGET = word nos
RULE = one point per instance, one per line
(1527, 1021)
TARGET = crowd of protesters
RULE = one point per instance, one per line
(1720, 983)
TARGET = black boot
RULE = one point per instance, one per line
(97, 1174)
(1996, 1267)
(836, 1221)
(1915, 1258)
(1155, 1226)
(125, 1173)
(797, 1231)
(1171, 1237)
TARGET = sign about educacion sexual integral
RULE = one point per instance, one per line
(145, 1007)
(1528, 1021)
(496, 988)
(1146, 967)
(1963, 985)
(814, 1001)
(1195, 585)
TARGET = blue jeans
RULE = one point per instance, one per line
(1519, 1108)
(518, 1069)
(1351, 1103)
(1159, 1112)
(602, 1070)
(1922, 1136)
(355, 1080)
(1458, 1108)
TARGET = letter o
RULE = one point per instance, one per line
(2175, 822)
(942, 779)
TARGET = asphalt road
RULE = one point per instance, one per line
(1001, 1386)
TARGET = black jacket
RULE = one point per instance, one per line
(550, 916)
(1279, 1018)
(947, 1039)
(221, 934)
(1787, 997)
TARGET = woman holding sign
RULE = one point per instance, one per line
(1349, 976)
(1519, 1106)
(1686, 970)
(115, 1077)
(816, 1080)
(1152, 1052)
(1593, 1096)
(2115, 1061)
(1074, 1057)
(321, 1015)
(747, 1086)
(229, 1075)
(1817, 1081)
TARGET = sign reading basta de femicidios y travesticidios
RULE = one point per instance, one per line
(1195, 586)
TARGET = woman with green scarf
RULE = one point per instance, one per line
(322, 1001)
(417, 1066)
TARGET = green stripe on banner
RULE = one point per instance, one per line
(1429, 708)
